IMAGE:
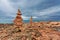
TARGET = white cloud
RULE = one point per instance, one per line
(50, 10)
(9, 9)
(27, 3)
(27, 18)
(47, 11)
(6, 7)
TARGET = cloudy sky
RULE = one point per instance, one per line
(39, 9)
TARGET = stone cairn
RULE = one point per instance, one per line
(31, 21)
(18, 22)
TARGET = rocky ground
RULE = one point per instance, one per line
(9, 32)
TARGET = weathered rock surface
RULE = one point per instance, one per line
(29, 33)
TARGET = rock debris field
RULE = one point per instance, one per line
(27, 32)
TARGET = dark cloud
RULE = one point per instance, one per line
(39, 9)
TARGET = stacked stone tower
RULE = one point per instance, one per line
(18, 22)
(31, 21)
